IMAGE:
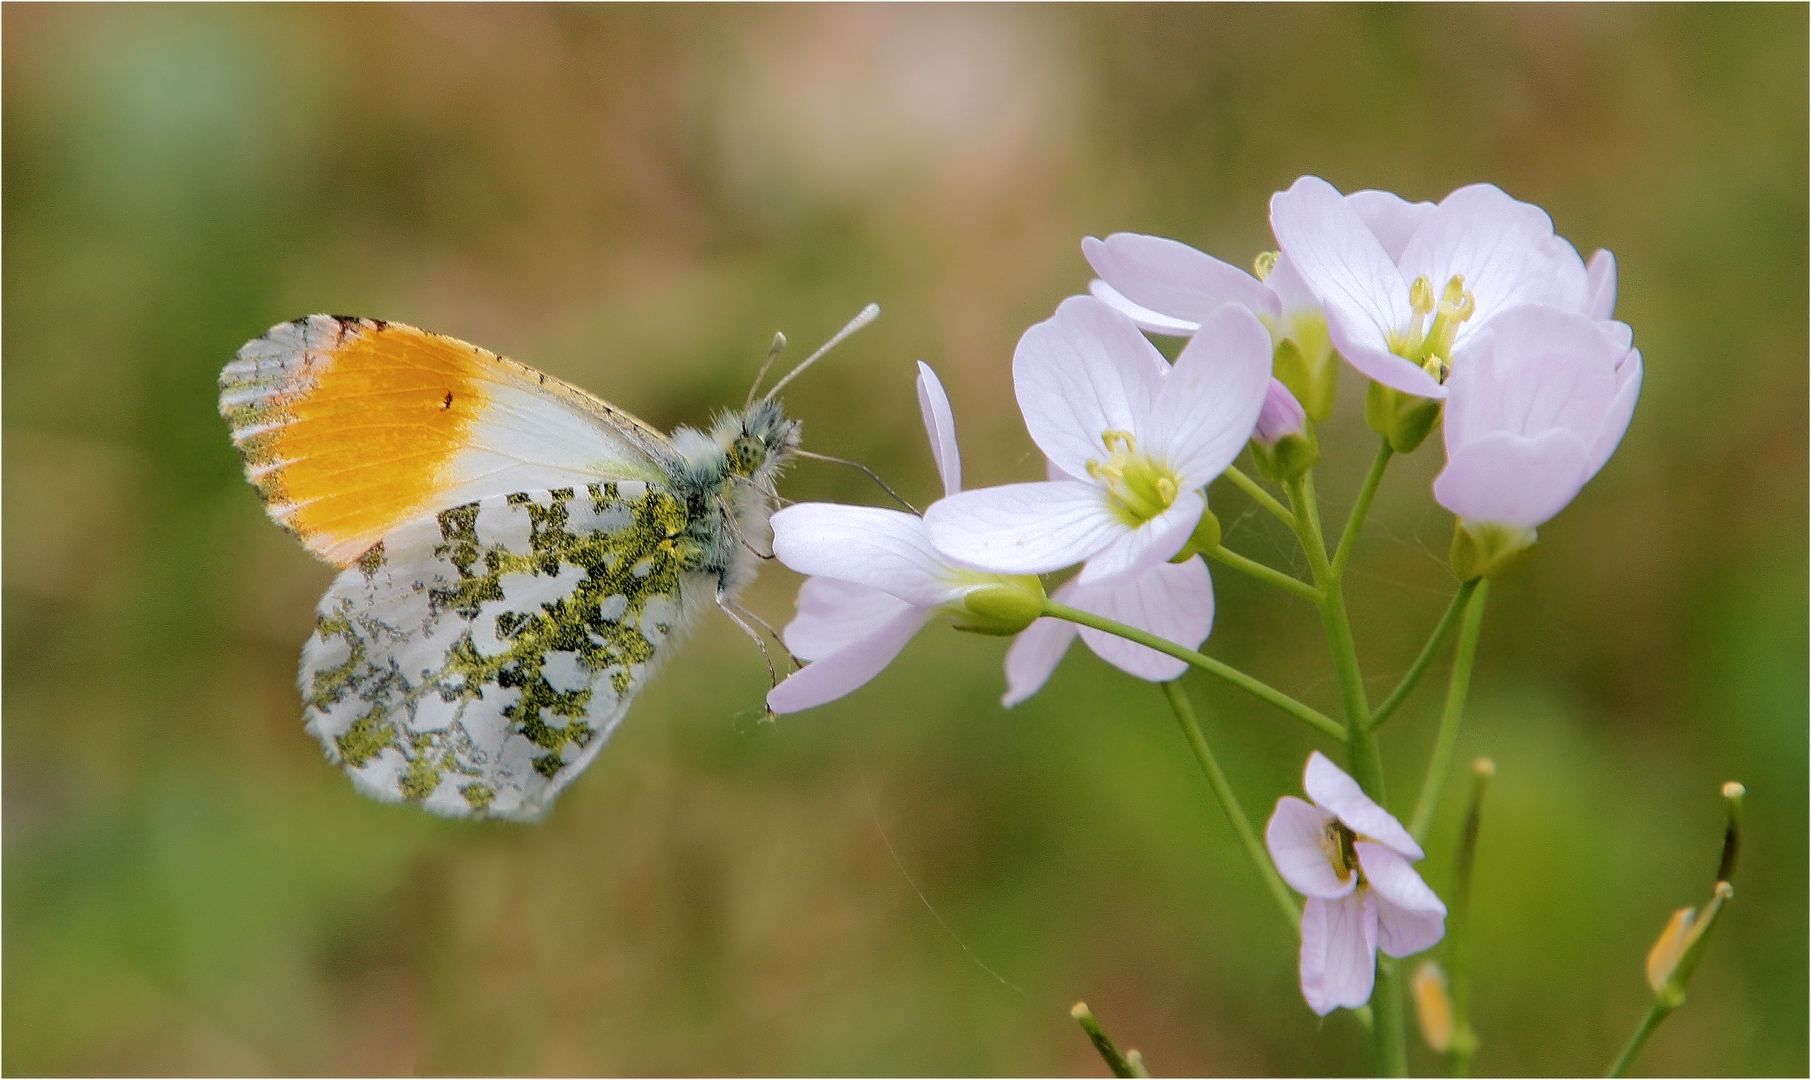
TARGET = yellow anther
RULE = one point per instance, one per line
(1108, 438)
(1166, 490)
(1421, 296)
(1454, 291)
(1265, 263)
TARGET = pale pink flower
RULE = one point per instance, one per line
(1172, 600)
(1535, 407)
(1280, 417)
(1351, 859)
(1400, 316)
(1134, 440)
(875, 578)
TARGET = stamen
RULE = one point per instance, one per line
(1265, 263)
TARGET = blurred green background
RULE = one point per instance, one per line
(636, 199)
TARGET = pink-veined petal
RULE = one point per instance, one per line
(1209, 404)
(1025, 528)
(886, 549)
(1081, 373)
(1132, 551)
(1505, 479)
(1297, 839)
(1600, 273)
(1332, 790)
(1503, 248)
(1171, 278)
(1175, 601)
(1341, 260)
(1410, 917)
(833, 613)
(1616, 420)
(1035, 653)
(1390, 217)
(848, 668)
(1339, 952)
(1151, 322)
(1533, 370)
(940, 426)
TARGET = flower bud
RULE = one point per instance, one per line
(1433, 1006)
(1283, 444)
(1404, 419)
(1487, 550)
(1681, 945)
(1003, 607)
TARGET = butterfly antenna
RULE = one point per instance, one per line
(872, 475)
(773, 352)
(867, 315)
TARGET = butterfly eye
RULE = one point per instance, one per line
(746, 455)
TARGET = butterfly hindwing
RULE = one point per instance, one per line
(477, 659)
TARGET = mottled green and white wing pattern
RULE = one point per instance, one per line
(477, 659)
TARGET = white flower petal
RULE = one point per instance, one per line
(1024, 528)
(1359, 345)
(1533, 370)
(1035, 653)
(1341, 260)
(1296, 837)
(1175, 601)
(1616, 420)
(1131, 551)
(1503, 249)
(886, 549)
(1210, 402)
(1390, 217)
(1297, 297)
(848, 668)
(833, 613)
(1171, 278)
(1151, 322)
(1081, 373)
(1410, 917)
(1332, 790)
(940, 425)
(1600, 273)
(1505, 479)
(1339, 952)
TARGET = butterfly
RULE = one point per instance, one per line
(516, 554)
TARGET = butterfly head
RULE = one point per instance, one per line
(758, 439)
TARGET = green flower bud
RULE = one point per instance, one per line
(1289, 458)
(1002, 608)
(1489, 551)
(1404, 419)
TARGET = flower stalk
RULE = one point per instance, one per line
(1446, 742)
(1109, 1053)
(1464, 1042)
(1412, 677)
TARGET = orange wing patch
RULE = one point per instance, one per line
(348, 426)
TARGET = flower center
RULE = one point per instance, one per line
(1338, 842)
(1138, 488)
(1430, 344)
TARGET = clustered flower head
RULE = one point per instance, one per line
(1470, 310)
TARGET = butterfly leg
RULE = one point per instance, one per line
(737, 615)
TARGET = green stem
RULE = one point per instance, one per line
(1389, 1040)
(1216, 779)
(1109, 1053)
(1254, 687)
(1656, 1013)
(1441, 761)
(1419, 668)
(1266, 574)
(1260, 496)
(1458, 923)
(1355, 521)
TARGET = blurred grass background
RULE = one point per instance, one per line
(635, 199)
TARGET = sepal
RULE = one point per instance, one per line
(1003, 608)
(1404, 419)
(1488, 550)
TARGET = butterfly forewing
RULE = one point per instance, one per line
(477, 659)
(352, 427)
